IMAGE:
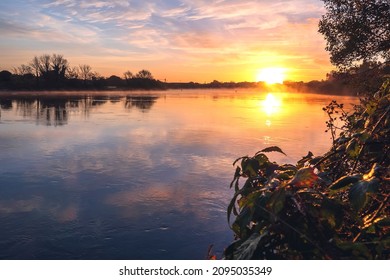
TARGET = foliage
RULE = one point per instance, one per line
(371, 73)
(356, 30)
(334, 206)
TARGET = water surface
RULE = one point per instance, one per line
(135, 175)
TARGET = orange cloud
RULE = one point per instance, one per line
(196, 38)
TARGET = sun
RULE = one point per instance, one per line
(274, 75)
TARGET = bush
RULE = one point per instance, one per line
(334, 206)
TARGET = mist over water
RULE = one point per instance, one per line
(137, 175)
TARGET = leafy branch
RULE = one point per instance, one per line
(334, 206)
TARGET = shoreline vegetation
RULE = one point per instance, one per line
(53, 73)
(330, 206)
(336, 205)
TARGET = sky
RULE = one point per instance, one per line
(176, 40)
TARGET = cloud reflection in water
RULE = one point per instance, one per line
(126, 177)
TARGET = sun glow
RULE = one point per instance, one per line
(273, 75)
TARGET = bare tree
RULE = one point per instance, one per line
(85, 72)
(95, 76)
(72, 73)
(144, 74)
(44, 64)
(59, 65)
(35, 65)
(23, 70)
(128, 75)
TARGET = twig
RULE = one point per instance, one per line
(374, 216)
(326, 157)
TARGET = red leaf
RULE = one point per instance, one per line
(305, 177)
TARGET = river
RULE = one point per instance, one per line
(137, 175)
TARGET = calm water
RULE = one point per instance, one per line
(119, 175)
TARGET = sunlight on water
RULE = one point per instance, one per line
(271, 104)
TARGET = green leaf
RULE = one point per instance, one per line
(357, 195)
(243, 220)
(271, 149)
(260, 211)
(276, 201)
(236, 187)
(358, 192)
(332, 211)
(248, 248)
(373, 185)
(249, 200)
(239, 159)
(237, 175)
(250, 166)
(261, 159)
(353, 148)
(344, 182)
(232, 207)
(236, 229)
(229, 209)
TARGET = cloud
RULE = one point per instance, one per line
(159, 30)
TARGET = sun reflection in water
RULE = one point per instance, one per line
(267, 140)
(271, 104)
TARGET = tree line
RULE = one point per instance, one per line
(55, 72)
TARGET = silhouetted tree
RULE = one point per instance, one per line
(356, 31)
(128, 75)
(59, 65)
(95, 76)
(72, 73)
(22, 70)
(369, 72)
(5, 76)
(44, 65)
(5, 79)
(144, 74)
(97, 80)
(114, 81)
(35, 66)
(85, 72)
